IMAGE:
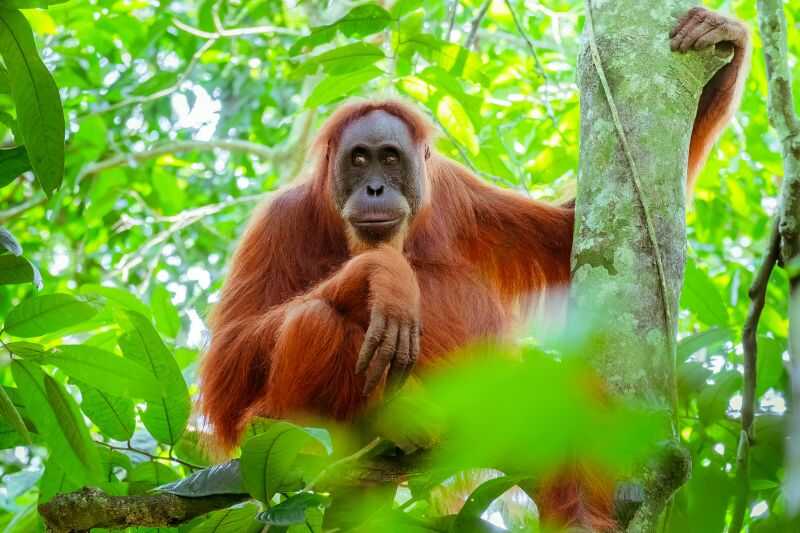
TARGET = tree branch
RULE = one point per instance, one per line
(782, 116)
(92, 508)
(757, 293)
(231, 145)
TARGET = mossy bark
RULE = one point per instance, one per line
(616, 280)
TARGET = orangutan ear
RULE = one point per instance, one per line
(427, 152)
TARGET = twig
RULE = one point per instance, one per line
(149, 455)
(236, 32)
(17, 210)
(166, 91)
(178, 223)
(452, 22)
(231, 145)
(476, 23)
(91, 508)
(758, 291)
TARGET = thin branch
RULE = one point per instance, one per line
(476, 23)
(233, 33)
(129, 448)
(180, 222)
(452, 22)
(758, 291)
(166, 91)
(231, 145)
(17, 210)
(92, 508)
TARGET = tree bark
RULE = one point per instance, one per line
(630, 237)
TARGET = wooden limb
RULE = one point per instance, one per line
(757, 292)
(89, 508)
(92, 508)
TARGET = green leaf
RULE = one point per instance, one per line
(117, 296)
(40, 117)
(341, 60)
(107, 371)
(9, 413)
(167, 320)
(113, 415)
(71, 423)
(455, 120)
(15, 269)
(480, 499)
(769, 365)
(166, 418)
(47, 313)
(29, 4)
(292, 510)
(361, 21)
(58, 420)
(146, 476)
(225, 478)
(13, 163)
(702, 297)
(714, 399)
(9, 243)
(705, 339)
(267, 459)
(240, 519)
(335, 87)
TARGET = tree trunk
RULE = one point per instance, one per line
(629, 248)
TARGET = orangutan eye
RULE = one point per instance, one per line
(390, 159)
(359, 158)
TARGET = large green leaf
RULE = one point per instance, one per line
(105, 370)
(116, 296)
(9, 413)
(241, 519)
(40, 117)
(165, 418)
(267, 459)
(47, 313)
(702, 297)
(29, 4)
(335, 87)
(58, 420)
(8, 243)
(15, 269)
(480, 499)
(225, 478)
(347, 58)
(292, 510)
(13, 163)
(361, 21)
(167, 320)
(113, 415)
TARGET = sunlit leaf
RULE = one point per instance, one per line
(165, 418)
(39, 115)
(268, 458)
(47, 313)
